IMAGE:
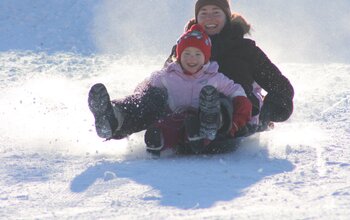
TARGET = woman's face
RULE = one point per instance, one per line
(212, 19)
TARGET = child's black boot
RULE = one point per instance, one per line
(209, 112)
(154, 140)
(108, 118)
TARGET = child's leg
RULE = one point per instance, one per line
(120, 118)
(140, 110)
(179, 131)
(199, 144)
(167, 133)
(224, 142)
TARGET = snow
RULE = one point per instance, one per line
(53, 165)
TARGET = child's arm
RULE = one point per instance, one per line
(228, 87)
(154, 80)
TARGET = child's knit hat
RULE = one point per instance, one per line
(223, 4)
(195, 37)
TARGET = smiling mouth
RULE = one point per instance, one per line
(191, 64)
(210, 26)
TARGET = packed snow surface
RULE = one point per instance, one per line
(53, 165)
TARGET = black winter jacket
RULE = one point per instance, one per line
(242, 61)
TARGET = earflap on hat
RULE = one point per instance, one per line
(195, 37)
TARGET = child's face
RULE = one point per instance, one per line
(192, 59)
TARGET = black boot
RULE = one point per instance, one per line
(226, 108)
(209, 112)
(194, 142)
(192, 126)
(100, 106)
(154, 140)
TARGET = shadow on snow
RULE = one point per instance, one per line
(191, 181)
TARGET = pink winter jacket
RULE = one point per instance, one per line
(183, 90)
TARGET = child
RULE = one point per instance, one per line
(188, 103)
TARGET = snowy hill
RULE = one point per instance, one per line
(53, 166)
(295, 31)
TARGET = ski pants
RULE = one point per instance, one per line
(140, 110)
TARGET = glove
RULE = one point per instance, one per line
(242, 114)
(265, 116)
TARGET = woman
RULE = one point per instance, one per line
(242, 61)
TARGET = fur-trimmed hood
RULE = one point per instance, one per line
(237, 21)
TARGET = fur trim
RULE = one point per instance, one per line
(239, 20)
(189, 24)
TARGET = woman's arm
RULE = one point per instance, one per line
(278, 103)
